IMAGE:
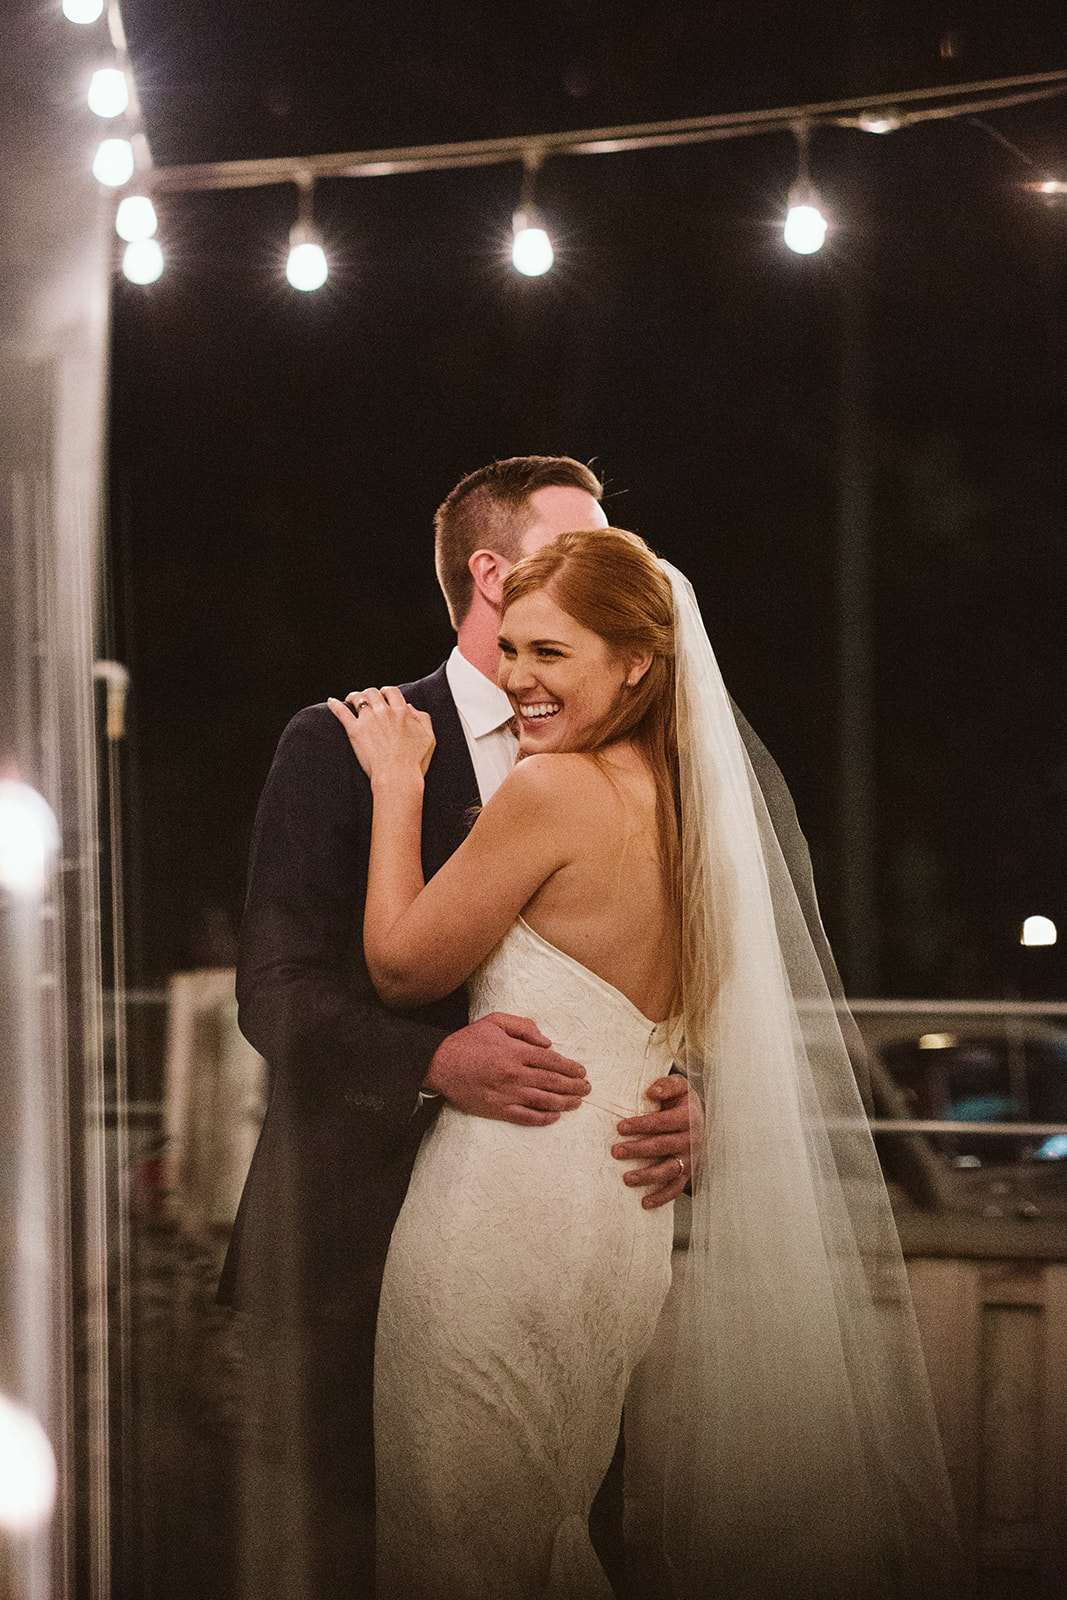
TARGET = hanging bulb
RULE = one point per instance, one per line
(142, 261)
(109, 93)
(531, 248)
(27, 1469)
(113, 164)
(135, 218)
(29, 839)
(1038, 930)
(82, 10)
(307, 267)
(805, 225)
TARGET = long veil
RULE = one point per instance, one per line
(804, 1458)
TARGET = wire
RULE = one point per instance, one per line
(258, 173)
(995, 133)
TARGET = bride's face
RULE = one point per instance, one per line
(561, 678)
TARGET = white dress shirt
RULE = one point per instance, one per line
(485, 716)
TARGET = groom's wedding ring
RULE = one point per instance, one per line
(681, 1165)
(360, 704)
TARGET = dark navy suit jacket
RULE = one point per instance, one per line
(342, 1124)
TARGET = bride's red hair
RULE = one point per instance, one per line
(609, 581)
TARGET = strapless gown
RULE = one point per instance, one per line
(523, 1284)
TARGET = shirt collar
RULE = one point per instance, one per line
(481, 703)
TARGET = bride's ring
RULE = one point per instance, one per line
(681, 1165)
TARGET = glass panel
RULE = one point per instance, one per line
(971, 1114)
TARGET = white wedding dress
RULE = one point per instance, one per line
(523, 1284)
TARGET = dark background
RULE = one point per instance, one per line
(277, 457)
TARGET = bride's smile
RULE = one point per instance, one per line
(561, 678)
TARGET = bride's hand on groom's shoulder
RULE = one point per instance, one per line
(384, 731)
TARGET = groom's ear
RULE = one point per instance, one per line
(488, 569)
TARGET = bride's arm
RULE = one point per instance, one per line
(421, 941)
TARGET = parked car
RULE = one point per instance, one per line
(975, 1074)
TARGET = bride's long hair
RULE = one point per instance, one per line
(609, 581)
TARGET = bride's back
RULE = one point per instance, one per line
(609, 905)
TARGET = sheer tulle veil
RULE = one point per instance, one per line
(804, 1458)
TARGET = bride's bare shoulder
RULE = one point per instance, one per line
(554, 779)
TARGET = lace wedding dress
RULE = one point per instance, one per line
(523, 1284)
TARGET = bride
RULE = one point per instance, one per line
(626, 887)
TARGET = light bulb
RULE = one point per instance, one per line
(29, 837)
(82, 10)
(113, 164)
(1038, 930)
(27, 1469)
(805, 225)
(306, 267)
(109, 93)
(142, 261)
(887, 121)
(531, 248)
(135, 218)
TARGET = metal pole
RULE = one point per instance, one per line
(856, 776)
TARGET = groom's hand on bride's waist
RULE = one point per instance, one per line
(503, 1067)
(665, 1139)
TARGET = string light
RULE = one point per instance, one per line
(83, 10)
(1038, 930)
(805, 225)
(307, 268)
(29, 838)
(109, 93)
(142, 261)
(113, 164)
(136, 218)
(531, 248)
(27, 1469)
(887, 121)
(532, 252)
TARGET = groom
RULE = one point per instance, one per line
(353, 1085)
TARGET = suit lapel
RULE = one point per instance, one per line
(451, 787)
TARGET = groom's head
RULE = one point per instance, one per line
(508, 510)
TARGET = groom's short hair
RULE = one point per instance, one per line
(489, 510)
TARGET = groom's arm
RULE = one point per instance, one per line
(306, 1001)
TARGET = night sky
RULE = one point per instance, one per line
(276, 458)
